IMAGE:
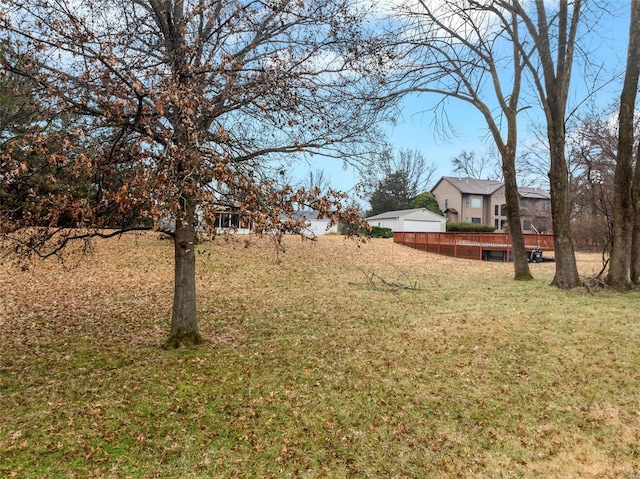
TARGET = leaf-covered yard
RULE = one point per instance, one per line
(332, 359)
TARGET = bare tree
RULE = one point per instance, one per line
(190, 104)
(619, 276)
(591, 160)
(553, 36)
(591, 147)
(316, 179)
(469, 164)
(411, 164)
(464, 51)
(533, 160)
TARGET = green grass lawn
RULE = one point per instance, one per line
(315, 366)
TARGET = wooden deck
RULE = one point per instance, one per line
(483, 246)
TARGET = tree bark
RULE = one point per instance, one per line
(184, 320)
(566, 274)
(635, 241)
(557, 76)
(620, 275)
(512, 198)
(552, 76)
(508, 153)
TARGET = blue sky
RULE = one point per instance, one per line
(414, 128)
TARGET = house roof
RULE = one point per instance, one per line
(403, 213)
(471, 185)
(474, 186)
(309, 215)
(534, 193)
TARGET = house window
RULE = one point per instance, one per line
(503, 223)
(476, 203)
(543, 206)
(476, 220)
(497, 223)
(446, 204)
(467, 202)
(466, 220)
(496, 209)
(526, 225)
(503, 210)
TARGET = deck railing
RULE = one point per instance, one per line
(471, 245)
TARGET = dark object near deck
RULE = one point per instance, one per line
(484, 246)
(536, 257)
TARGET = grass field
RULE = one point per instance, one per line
(329, 360)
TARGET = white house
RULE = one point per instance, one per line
(314, 225)
(232, 221)
(415, 220)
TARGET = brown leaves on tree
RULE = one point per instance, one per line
(183, 111)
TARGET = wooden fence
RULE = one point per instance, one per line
(472, 245)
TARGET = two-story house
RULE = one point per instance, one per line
(535, 210)
(483, 201)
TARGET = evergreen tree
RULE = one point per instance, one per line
(392, 193)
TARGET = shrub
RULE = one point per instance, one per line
(359, 228)
(380, 232)
(470, 227)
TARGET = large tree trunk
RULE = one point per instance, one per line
(557, 62)
(566, 275)
(184, 320)
(520, 260)
(635, 241)
(619, 276)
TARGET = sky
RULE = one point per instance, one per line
(414, 127)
